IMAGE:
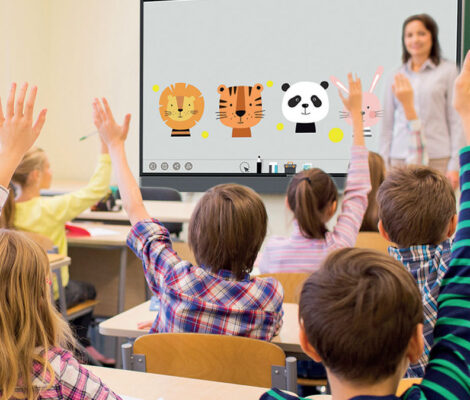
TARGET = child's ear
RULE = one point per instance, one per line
(416, 344)
(382, 231)
(452, 226)
(33, 176)
(306, 346)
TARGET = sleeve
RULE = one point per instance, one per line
(417, 152)
(355, 199)
(385, 140)
(454, 123)
(77, 383)
(3, 197)
(68, 206)
(150, 241)
(447, 375)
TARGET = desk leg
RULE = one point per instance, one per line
(122, 280)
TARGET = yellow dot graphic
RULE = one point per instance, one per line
(205, 134)
(155, 88)
(280, 126)
(269, 83)
(336, 135)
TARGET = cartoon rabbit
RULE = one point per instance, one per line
(371, 108)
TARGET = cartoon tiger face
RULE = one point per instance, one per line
(240, 106)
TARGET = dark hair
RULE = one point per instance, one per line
(227, 229)
(416, 204)
(359, 311)
(309, 195)
(432, 27)
(377, 176)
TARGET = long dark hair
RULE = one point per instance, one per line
(432, 27)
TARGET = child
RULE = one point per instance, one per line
(47, 216)
(33, 361)
(377, 176)
(226, 230)
(367, 339)
(312, 197)
(17, 134)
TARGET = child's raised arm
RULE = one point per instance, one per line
(353, 104)
(114, 136)
(17, 130)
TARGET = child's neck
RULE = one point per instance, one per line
(342, 390)
(28, 193)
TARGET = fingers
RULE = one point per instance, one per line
(11, 101)
(20, 100)
(100, 114)
(97, 119)
(125, 126)
(109, 113)
(39, 122)
(466, 63)
(2, 117)
(29, 108)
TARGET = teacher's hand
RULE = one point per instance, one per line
(453, 177)
(403, 91)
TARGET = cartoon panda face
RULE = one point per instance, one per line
(305, 102)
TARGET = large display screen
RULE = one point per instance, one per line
(249, 88)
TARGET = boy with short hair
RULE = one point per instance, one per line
(417, 212)
(226, 231)
(371, 308)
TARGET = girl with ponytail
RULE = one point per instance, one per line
(312, 197)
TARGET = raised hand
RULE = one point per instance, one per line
(110, 131)
(462, 90)
(404, 93)
(17, 130)
(353, 102)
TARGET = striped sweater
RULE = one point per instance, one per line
(299, 254)
(447, 375)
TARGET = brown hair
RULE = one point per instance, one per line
(432, 27)
(359, 311)
(377, 176)
(227, 229)
(309, 195)
(28, 319)
(34, 159)
(416, 204)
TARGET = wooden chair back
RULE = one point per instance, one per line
(184, 252)
(222, 358)
(372, 240)
(291, 282)
(405, 384)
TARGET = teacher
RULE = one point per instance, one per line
(432, 79)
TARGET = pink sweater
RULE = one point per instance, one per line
(299, 254)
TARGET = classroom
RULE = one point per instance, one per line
(234, 266)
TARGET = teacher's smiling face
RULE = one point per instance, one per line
(417, 39)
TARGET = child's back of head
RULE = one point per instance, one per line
(416, 205)
(311, 194)
(28, 320)
(359, 311)
(227, 229)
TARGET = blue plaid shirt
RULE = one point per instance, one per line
(195, 299)
(428, 265)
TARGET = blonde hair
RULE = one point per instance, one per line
(28, 319)
(33, 160)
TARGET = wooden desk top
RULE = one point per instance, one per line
(116, 240)
(148, 386)
(58, 260)
(165, 211)
(125, 325)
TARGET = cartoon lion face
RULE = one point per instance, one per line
(181, 106)
(240, 106)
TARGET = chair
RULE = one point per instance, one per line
(405, 384)
(372, 240)
(291, 282)
(163, 194)
(222, 358)
(184, 252)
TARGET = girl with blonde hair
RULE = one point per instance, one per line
(35, 361)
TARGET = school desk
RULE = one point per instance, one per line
(145, 386)
(124, 325)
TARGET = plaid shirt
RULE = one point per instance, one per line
(428, 265)
(194, 299)
(71, 381)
